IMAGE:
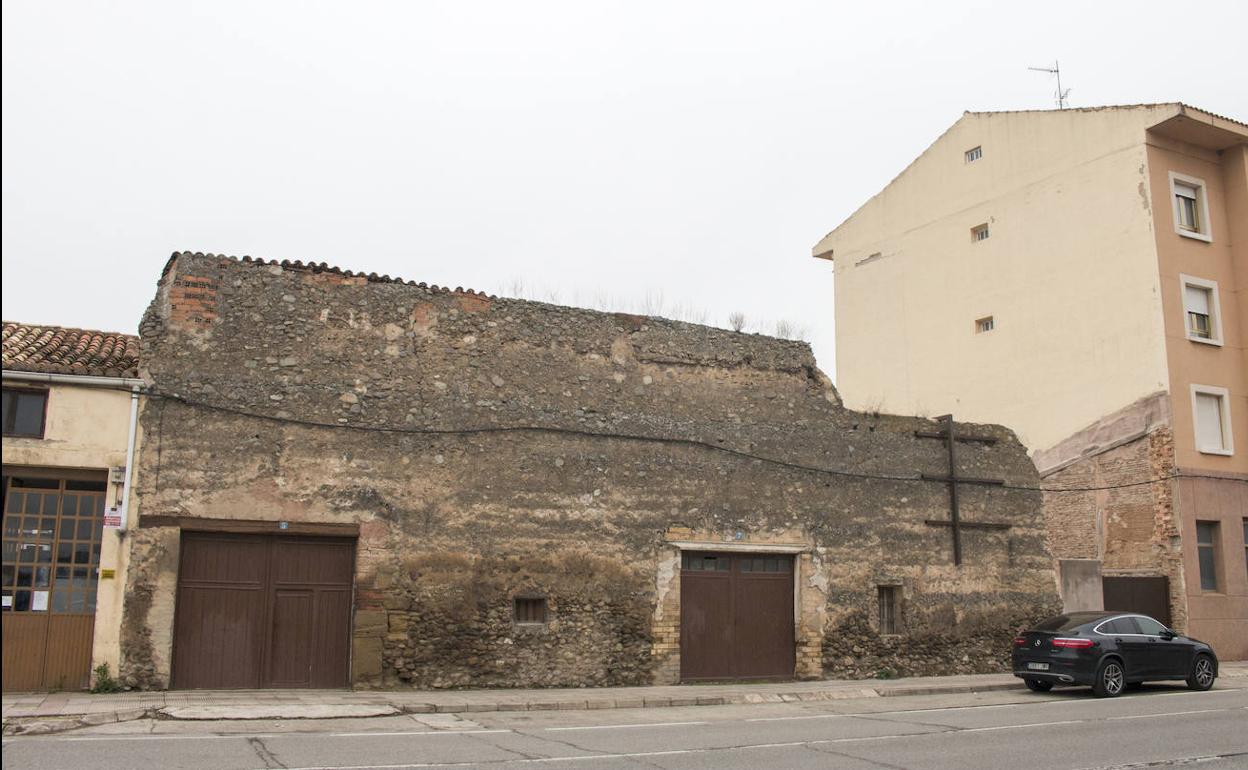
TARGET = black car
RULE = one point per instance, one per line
(1109, 651)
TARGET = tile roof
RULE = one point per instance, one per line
(320, 267)
(59, 350)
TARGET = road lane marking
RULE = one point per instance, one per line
(407, 732)
(681, 752)
(980, 707)
(1167, 714)
(1016, 727)
(623, 727)
(796, 719)
(366, 734)
(88, 738)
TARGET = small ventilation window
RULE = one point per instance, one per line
(765, 564)
(979, 233)
(974, 154)
(698, 562)
(985, 324)
(530, 611)
(890, 609)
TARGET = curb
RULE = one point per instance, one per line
(951, 689)
(51, 725)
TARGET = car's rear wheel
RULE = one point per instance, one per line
(1203, 673)
(1110, 679)
(1036, 685)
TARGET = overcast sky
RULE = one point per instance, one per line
(602, 153)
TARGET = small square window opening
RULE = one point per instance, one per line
(530, 611)
(985, 324)
(974, 154)
(979, 233)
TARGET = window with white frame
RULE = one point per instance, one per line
(979, 232)
(974, 154)
(1201, 310)
(985, 324)
(1191, 206)
(1211, 414)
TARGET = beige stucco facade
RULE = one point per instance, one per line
(1088, 353)
(1065, 297)
(86, 434)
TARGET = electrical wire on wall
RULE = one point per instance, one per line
(689, 442)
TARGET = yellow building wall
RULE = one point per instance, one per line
(1067, 273)
(87, 428)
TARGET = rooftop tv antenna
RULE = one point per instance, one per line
(1057, 71)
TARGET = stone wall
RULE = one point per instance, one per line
(490, 448)
(1131, 529)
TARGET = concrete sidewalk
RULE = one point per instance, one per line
(31, 713)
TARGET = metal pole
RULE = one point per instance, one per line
(952, 442)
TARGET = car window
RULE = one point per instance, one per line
(1148, 626)
(1118, 626)
(1066, 622)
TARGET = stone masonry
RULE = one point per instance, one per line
(1130, 527)
(491, 448)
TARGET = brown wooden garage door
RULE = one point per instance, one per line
(736, 616)
(257, 611)
(1145, 595)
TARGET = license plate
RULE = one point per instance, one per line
(1038, 666)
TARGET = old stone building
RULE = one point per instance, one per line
(351, 479)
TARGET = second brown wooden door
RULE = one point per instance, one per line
(259, 611)
(736, 616)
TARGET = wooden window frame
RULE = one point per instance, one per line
(67, 541)
(888, 598)
(43, 417)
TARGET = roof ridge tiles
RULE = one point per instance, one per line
(322, 267)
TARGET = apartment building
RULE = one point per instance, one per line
(1081, 276)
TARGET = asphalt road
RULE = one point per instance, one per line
(1158, 727)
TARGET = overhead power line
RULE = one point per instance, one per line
(691, 442)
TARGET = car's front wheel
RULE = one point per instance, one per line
(1036, 685)
(1110, 679)
(1203, 673)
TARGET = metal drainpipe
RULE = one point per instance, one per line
(125, 489)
